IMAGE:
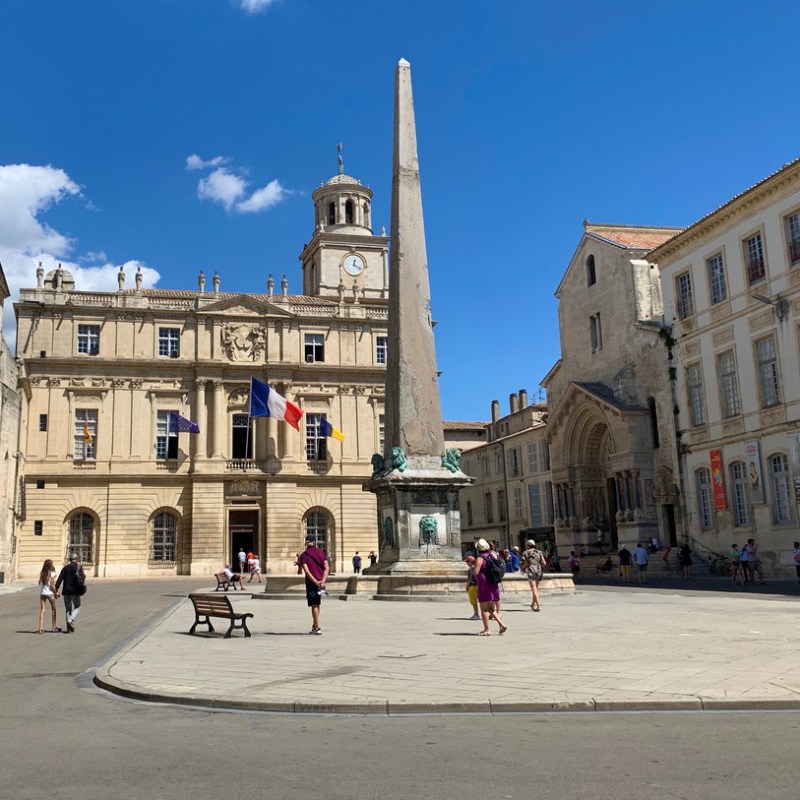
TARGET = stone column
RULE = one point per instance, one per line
(219, 412)
(201, 415)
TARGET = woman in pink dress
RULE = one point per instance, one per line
(488, 592)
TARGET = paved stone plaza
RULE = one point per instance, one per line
(603, 648)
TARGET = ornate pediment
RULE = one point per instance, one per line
(244, 305)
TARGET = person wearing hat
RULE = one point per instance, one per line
(73, 579)
(488, 593)
(313, 563)
(472, 586)
(533, 563)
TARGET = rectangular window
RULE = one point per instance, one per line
(741, 513)
(704, 499)
(517, 503)
(38, 527)
(316, 449)
(501, 505)
(729, 388)
(781, 489)
(694, 390)
(241, 436)
(754, 258)
(469, 513)
(89, 339)
(169, 342)
(485, 466)
(513, 460)
(793, 237)
(488, 508)
(84, 438)
(544, 455)
(166, 440)
(314, 347)
(498, 462)
(535, 499)
(683, 293)
(381, 349)
(42, 422)
(40, 484)
(767, 361)
(595, 333)
(533, 457)
(716, 278)
(381, 432)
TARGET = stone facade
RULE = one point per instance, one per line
(10, 503)
(731, 287)
(610, 423)
(511, 500)
(101, 373)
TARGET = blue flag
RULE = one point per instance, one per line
(179, 424)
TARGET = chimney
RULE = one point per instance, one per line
(523, 398)
(513, 402)
(495, 410)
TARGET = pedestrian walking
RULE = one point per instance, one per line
(533, 563)
(755, 562)
(797, 560)
(625, 559)
(685, 559)
(735, 557)
(357, 563)
(574, 562)
(255, 567)
(373, 559)
(555, 562)
(74, 581)
(744, 563)
(47, 594)
(471, 586)
(665, 558)
(242, 561)
(488, 590)
(313, 564)
(641, 558)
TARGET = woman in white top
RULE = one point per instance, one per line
(47, 593)
(255, 568)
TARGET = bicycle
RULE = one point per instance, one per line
(720, 566)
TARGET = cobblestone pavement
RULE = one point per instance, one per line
(611, 649)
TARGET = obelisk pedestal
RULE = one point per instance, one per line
(415, 480)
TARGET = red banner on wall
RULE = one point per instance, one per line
(718, 480)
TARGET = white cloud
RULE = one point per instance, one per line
(26, 192)
(255, 6)
(221, 186)
(195, 162)
(262, 199)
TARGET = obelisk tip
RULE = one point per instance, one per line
(403, 63)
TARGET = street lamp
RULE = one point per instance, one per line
(780, 304)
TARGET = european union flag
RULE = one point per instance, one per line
(179, 424)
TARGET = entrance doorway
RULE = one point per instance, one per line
(669, 524)
(243, 530)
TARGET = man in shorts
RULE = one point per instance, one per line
(625, 559)
(314, 565)
(641, 558)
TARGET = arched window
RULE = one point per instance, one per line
(591, 274)
(366, 215)
(316, 526)
(81, 536)
(739, 498)
(704, 499)
(349, 212)
(781, 488)
(651, 405)
(332, 214)
(164, 537)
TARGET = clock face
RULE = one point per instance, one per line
(353, 265)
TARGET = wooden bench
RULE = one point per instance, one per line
(211, 605)
(224, 582)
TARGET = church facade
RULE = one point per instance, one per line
(102, 373)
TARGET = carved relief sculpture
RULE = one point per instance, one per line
(242, 342)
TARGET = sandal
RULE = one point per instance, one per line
(536, 607)
(40, 631)
(484, 633)
(503, 629)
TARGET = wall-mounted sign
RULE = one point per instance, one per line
(718, 480)
(754, 476)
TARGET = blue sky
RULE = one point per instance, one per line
(531, 116)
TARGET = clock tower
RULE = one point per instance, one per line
(343, 249)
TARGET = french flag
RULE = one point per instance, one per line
(266, 402)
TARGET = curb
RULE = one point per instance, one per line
(104, 680)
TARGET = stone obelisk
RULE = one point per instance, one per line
(415, 480)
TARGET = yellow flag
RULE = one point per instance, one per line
(87, 437)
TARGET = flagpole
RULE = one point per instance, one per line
(249, 422)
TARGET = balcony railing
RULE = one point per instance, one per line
(755, 269)
(85, 464)
(245, 465)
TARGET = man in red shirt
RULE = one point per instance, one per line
(314, 565)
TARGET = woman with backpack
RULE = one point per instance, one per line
(489, 570)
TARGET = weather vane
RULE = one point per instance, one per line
(339, 158)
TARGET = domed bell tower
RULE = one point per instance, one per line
(343, 250)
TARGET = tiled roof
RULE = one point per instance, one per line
(604, 393)
(631, 237)
(456, 426)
